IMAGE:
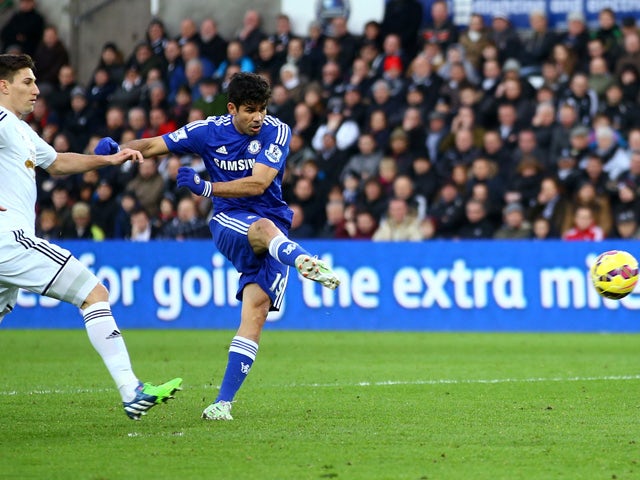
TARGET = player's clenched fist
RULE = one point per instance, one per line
(106, 146)
(188, 177)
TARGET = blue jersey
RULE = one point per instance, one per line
(229, 155)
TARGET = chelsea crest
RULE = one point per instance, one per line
(254, 147)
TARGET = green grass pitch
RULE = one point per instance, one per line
(322, 405)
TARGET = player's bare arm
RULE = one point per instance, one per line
(148, 147)
(70, 163)
(256, 184)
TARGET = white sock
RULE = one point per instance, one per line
(108, 342)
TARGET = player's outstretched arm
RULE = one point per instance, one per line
(69, 163)
(148, 147)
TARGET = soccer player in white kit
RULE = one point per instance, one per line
(38, 266)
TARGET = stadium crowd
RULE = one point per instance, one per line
(404, 131)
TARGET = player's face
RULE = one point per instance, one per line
(21, 93)
(248, 118)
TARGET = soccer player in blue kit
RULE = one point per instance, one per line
(245, 153)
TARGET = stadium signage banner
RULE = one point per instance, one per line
(556, 10)
(428, 286)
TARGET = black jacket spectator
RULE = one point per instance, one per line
(24, 29)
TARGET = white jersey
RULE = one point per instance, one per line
(21, 150)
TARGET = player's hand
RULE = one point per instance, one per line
(187, 177)
(124, 155)
(106, 146)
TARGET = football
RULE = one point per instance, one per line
(614, 274)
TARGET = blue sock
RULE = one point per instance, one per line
(242, 353)
(285, 251)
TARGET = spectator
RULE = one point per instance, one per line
(447, 212)
(112, 60)
(335, 226)
(476, 225)
(50, 55)
(584, 226)
(440, 29)
(615, 158)
(598, 203)
(348, 42)
(403, 18)
(148, 186)
(541, 229)
(81, 122)
(212, 45)
(300, 227)
(474, 39)
(186, 224)
(536, 48)
(59, 98)
(104, 208)
(373, 199)
(551, 205)
(576, 36)
(365, 163)
(128, 94)
(24, 29)
(235, 57)
(283, 34)
(188, 32)
(269, 63)
(142, 229)
(400, 224)
(82, 228)
(515, 226)
(47, 225)
(345, 131)
(626, 226)
(251, 34)
(363, 226)
(504, 36)
(581, 97)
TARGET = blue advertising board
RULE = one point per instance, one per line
(525, 286)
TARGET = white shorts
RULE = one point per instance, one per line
(33, 264)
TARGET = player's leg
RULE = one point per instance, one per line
(264, 235)
(242, 351)
(52, 271)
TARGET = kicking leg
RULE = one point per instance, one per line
(265, 236)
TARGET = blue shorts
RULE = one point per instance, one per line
(229, 231)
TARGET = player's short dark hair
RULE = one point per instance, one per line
(248, 89)
(10, 64)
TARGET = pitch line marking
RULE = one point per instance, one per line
(386, 383)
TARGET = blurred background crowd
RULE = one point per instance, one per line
(402, 131)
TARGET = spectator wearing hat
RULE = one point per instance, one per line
(505, 37)
(626, 226)
(437, 133)
(353, 106)
(81, 122)
(425, 177)
(576, 36)
(392, 73)
(515, 226)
